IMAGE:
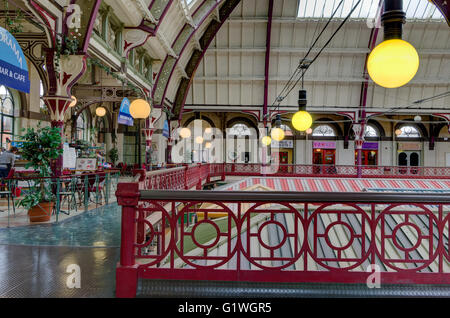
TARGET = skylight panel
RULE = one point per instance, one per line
(190, 2)
(414, 9)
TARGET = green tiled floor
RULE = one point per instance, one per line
(99, 228)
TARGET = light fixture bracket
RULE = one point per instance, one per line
(302, 100)
(278, 121)
(393, 19)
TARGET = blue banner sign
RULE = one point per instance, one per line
(124, 113)
(13, 65)
(166, 129)
(17, 144)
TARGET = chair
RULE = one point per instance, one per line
(70, 187)
(123, 167)
(8, 188)
(95, 184)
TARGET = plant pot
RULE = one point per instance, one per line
(41, 212)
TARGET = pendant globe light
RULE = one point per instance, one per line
(140, 109)
(266, 140)
(302, 120)
(185, 133)
(199, 140)
(100, 111)
(394, 62)
(277, 133)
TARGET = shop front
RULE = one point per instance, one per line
(324, 156)
(369, 154)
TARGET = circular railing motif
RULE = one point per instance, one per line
(153, 235)
(279, 228)
(408, 237)
(339, 226)
(257, 220)
(327, 225)
(196, 242)
(445, 236)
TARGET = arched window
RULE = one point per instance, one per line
(287, 130)
(43, 108)
(324, 131)
(239, 130)
(409, 132)
(371, 132)
(81, 127)
(7, 115)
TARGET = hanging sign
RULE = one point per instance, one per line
(282, 144)
(409, 146)
(166, 129)
(324, 145)
(370, 146)
(124, 113)
(13, 65)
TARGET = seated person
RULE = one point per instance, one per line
(7, 159)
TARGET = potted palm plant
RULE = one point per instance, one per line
(40, 147)
(113, 155)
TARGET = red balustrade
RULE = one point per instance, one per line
(283, 237)
(241, 169)
(191, 176)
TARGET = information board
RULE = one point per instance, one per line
(69, 157)
(86, 164)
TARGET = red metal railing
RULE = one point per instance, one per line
(283, 237)
(237, 169)
(190, 176)
(181, 178)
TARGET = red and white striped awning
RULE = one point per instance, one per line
(341, 185)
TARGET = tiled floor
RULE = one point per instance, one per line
(34, 259)
(99, 227)
(41, 272)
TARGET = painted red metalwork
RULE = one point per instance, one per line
(182, 30)
(309, 235)
(189, 176)
(341, 171)
(444, 8)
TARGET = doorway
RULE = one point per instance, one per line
(409, 159)
(368, 157)
(326, 158)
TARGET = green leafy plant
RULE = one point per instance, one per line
(114, 155)
(69, 47)
(40, 147)
(14, 20)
